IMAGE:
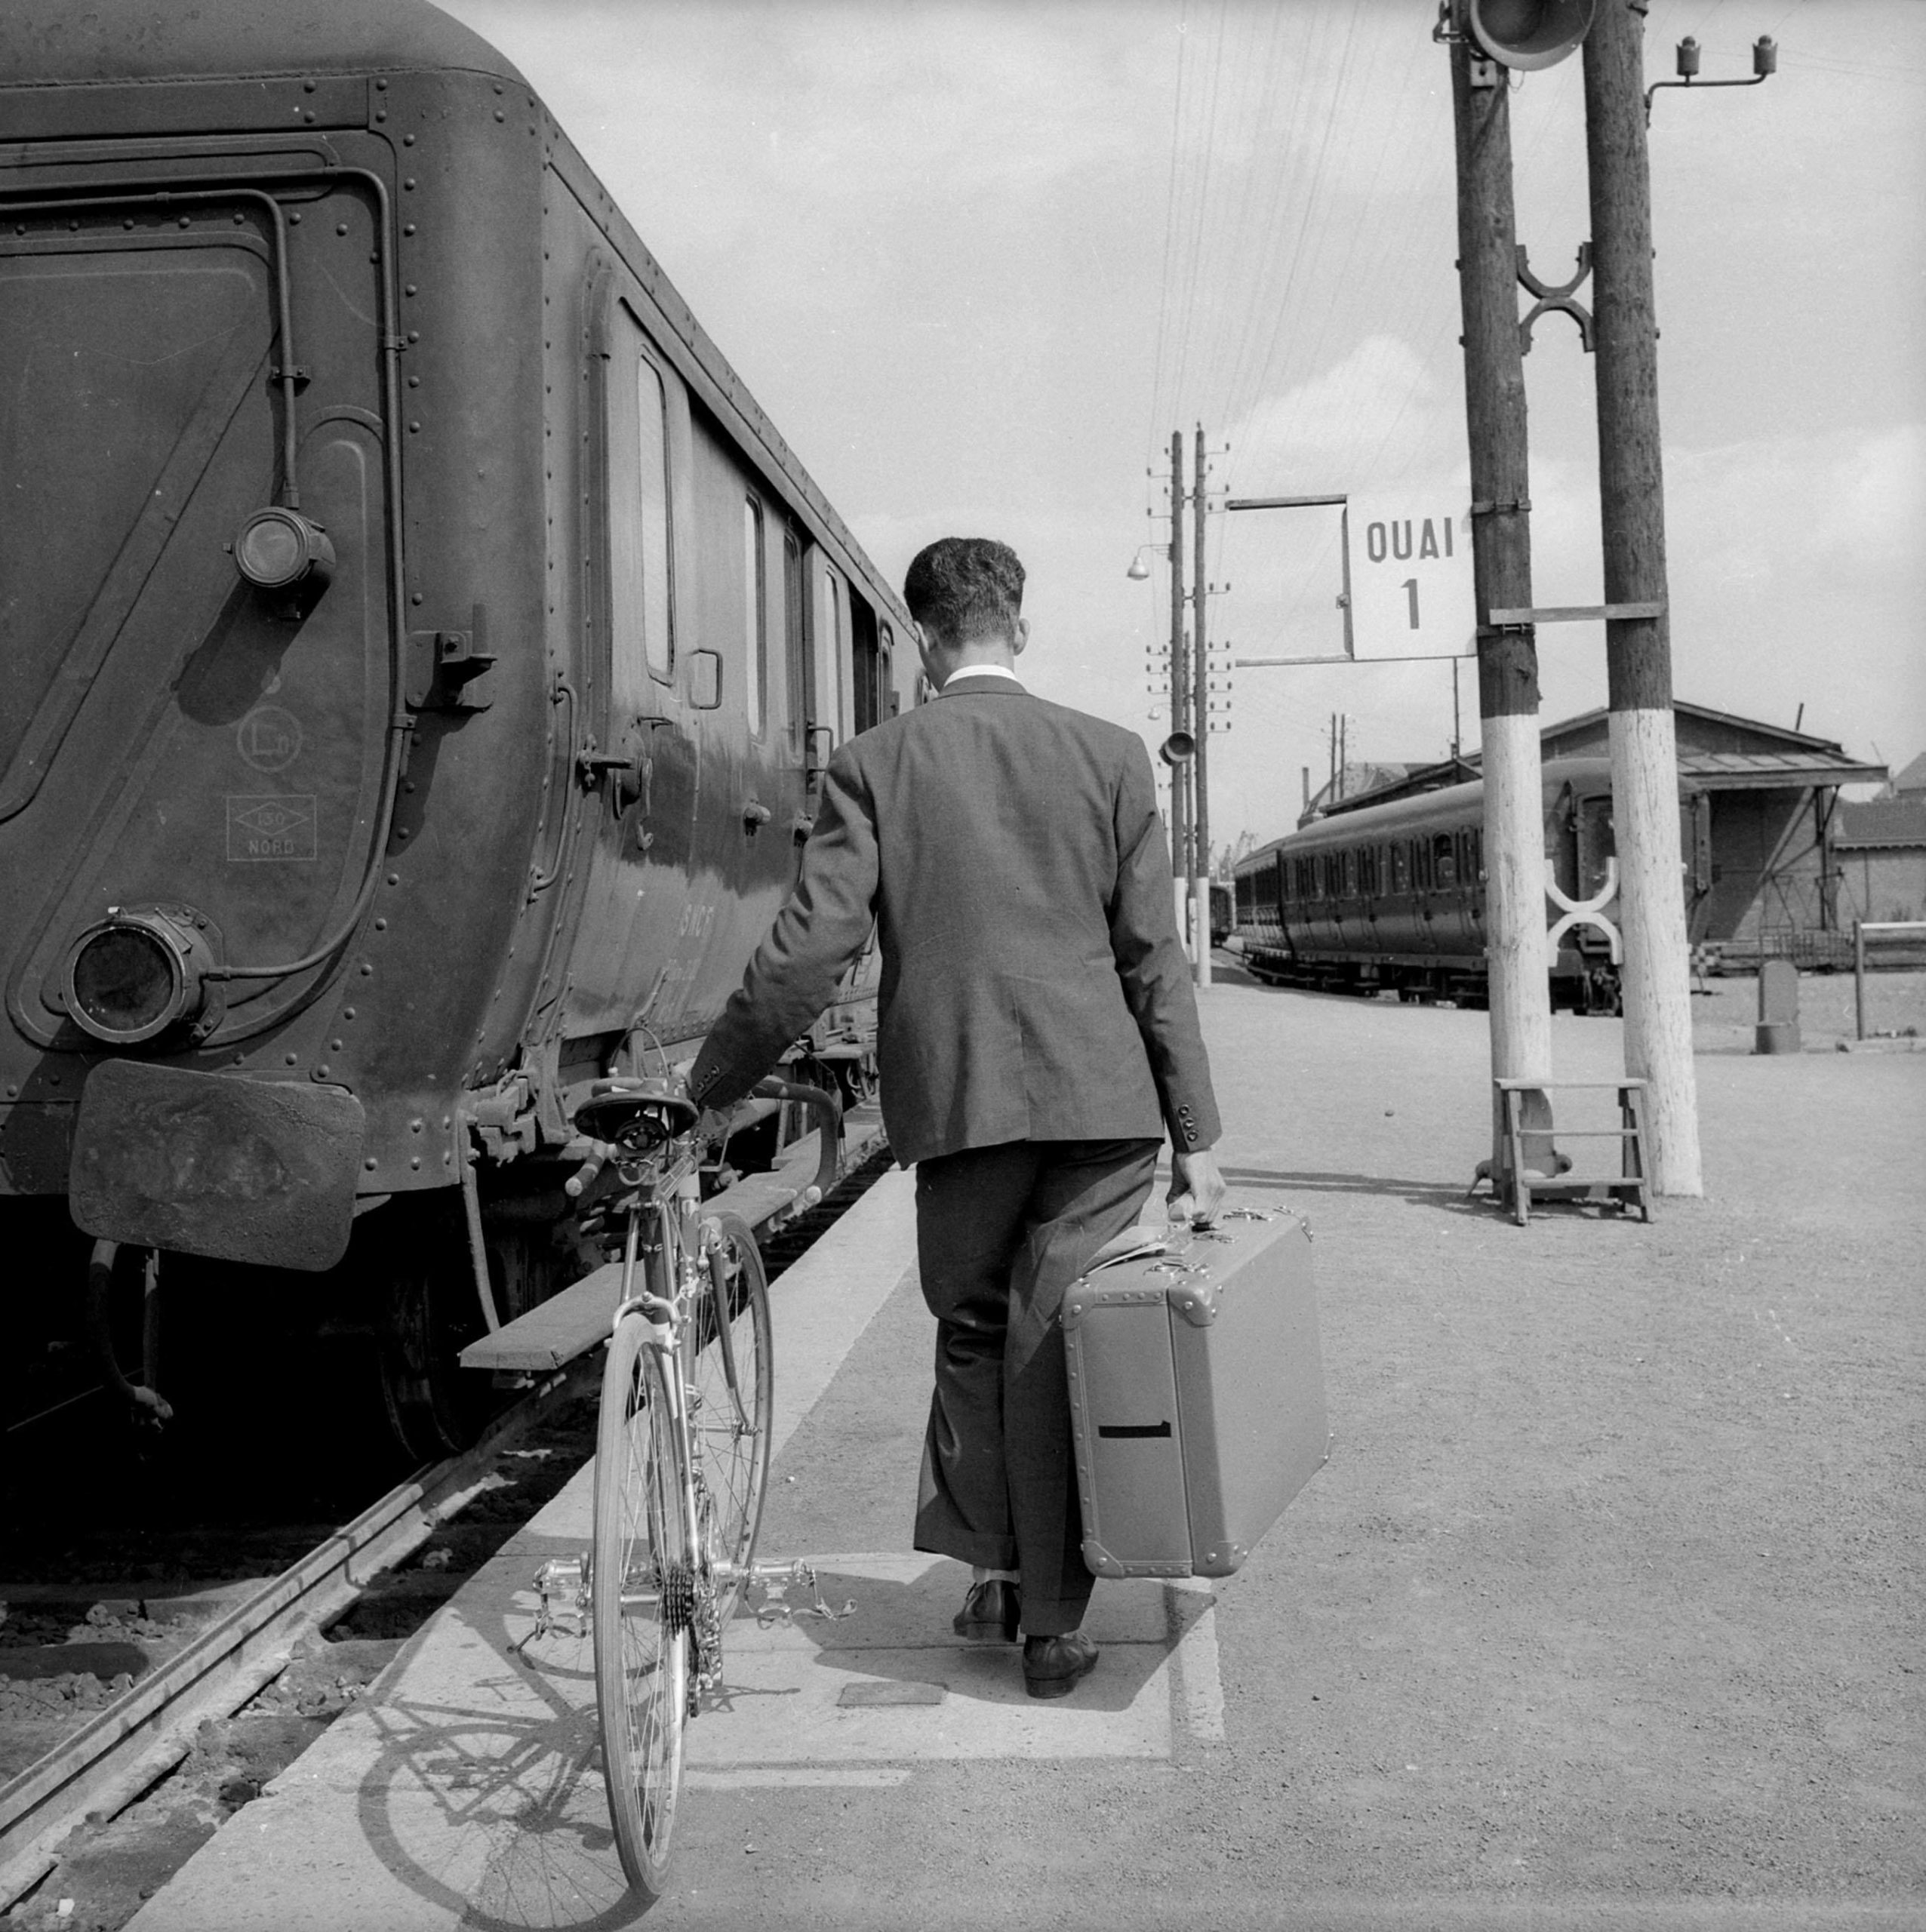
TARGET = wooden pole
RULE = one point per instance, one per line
(1501, 563)
(1199, 846)
(1644, 751)
(1180, 685)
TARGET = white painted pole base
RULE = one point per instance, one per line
(1200, 929)
(1657, 967)
(1521, 989)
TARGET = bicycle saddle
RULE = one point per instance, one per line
(636, 1114)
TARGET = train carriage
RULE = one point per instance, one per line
(1391, 898)
(419, 655)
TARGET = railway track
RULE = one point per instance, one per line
(139, 1736)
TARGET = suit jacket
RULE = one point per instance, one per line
(1009, 853)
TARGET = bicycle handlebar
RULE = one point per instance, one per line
(828, 1110)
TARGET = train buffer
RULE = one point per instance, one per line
(1630, 1187)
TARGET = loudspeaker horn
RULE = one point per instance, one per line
(1528, 34)
(1180, 748)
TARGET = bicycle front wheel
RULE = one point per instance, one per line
(732, 1392)
(643, 1598)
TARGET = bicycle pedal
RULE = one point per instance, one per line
(560, 1577)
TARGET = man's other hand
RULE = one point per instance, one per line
(1197, 1188)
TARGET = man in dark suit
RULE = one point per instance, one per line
(1037, 1037)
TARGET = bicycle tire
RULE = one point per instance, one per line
(730, 1429)
(644, 1552)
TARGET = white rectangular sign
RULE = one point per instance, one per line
(1411, 592)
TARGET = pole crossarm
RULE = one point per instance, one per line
(1286, 503)
(1574, 614)
(1412, 657)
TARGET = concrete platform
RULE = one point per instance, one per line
(467, 1789)
(1606, 1615)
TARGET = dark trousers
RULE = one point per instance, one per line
(1001, 1233)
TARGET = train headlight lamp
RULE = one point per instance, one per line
(141, 973)
(278, 548)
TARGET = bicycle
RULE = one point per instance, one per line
(682, 1444)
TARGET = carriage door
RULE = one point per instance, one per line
(830, 680)
(633, 953)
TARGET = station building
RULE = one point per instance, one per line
(1881, 848)
(1767, 837)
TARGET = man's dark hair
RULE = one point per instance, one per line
(961, 587)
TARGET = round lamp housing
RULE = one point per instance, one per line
(1528, 34)
(278, 548)
(141, 973)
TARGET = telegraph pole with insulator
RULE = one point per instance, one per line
(1174, 752)
(1644, 751)
(1520, 1023)
(1200, 842)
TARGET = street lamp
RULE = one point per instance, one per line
(1139, 570)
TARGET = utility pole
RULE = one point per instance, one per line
(1644, 750)
(1179, 686)
(1501, 552)
(1200, 848)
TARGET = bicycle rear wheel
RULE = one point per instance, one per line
(643, 1598)
(731, 1383)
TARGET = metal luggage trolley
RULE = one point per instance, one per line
(681, 1447)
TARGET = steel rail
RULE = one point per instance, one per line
(149, 1729)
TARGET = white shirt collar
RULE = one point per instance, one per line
(980, 671)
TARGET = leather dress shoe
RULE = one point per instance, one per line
(992, 1612)
(1054, 1666)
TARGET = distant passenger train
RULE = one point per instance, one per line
(1391, 896)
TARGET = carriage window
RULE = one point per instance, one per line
(1474, 855)
(888, 703)
(1444, 861)
(1420, 865)
(830, 638)
(1401, 870)
(755, 620)
(792, 651)
(1349, 886)
(651, 414)
(641, 600)
(1367, 871)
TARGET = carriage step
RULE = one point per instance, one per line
(551, 1335)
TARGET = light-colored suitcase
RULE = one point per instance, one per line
(1196, 1395)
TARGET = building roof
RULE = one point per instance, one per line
(1883, 822)
(1764, 771)
(1913, 778)
(1772, 758)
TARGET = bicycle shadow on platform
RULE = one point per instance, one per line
(1444, 1196)
(485, 1797)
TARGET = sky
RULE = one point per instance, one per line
(978, 260)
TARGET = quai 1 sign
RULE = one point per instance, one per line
(1411, 592)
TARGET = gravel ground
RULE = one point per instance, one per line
(1607, 1611)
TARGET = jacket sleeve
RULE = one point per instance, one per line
(1151, 961)
(794, 973)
